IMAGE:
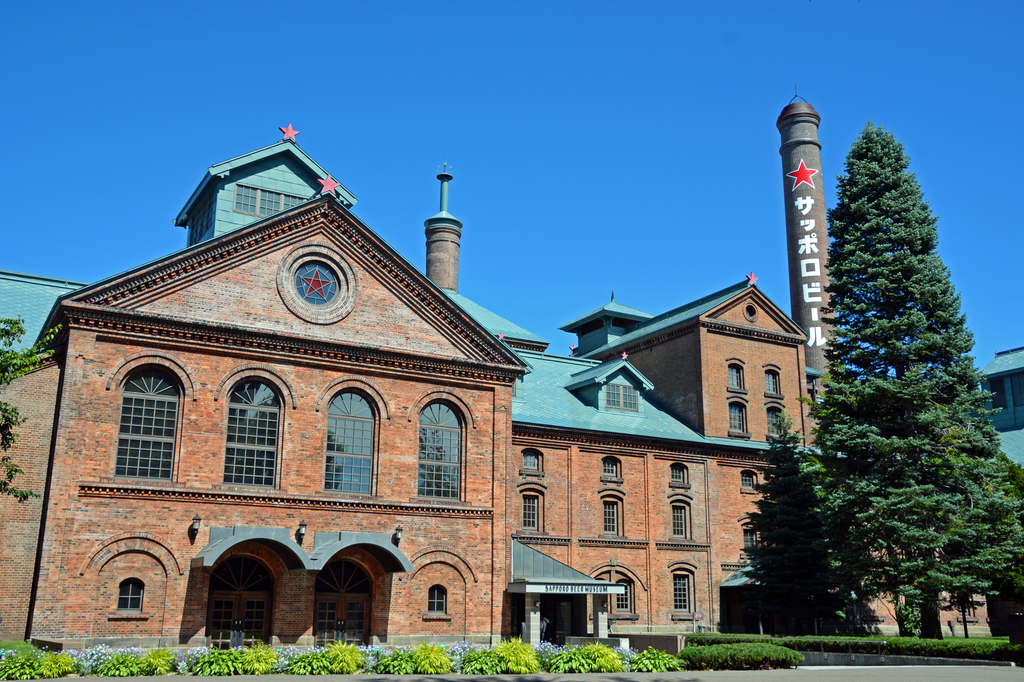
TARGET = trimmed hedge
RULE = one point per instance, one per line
(738, 657)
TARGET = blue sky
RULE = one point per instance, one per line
(597, 146)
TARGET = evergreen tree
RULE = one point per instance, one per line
(916, 501)
(790, 563)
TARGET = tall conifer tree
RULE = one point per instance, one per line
(916, 503)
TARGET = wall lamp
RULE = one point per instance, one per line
(302, 531)
(194, 528)
(536, 604)
(397, 537)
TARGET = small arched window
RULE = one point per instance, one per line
(737, 418)
(611, 467)
(680, 474)
(774, 421)
(624, 601)
(149, 418)
(437, 600)
(749, 538)
(532, 460)
(681, 592)
(440, 453)
(612, 516)
(680, 521)
(253, 420)
(129, 595)
(532, 511)
(736, 376)
(748, 479)
(771, 382)
(350, 429)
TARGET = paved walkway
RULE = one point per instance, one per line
(808, 674)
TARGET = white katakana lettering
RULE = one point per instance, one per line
(804, 204)
(814, 314)
(808, 225)
(808, 243)
(812, 288)
(810, 267)
(817, 339)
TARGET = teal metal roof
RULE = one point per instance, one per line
(612, 309)
(31, 297)
(1006, 362)
(671, 318)
(1012, 441)
(598, 373)
(529, 564)
(740, 578)
(546, 401)
(491, 322)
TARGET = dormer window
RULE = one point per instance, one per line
(255, 201)
(620, 397)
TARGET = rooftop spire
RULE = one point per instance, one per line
(444, 233)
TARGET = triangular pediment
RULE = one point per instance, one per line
(752, 309)
(257, 281)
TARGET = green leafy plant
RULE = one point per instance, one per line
(603, 659)
(431, 659)
(396, 663)
(312, 662)
(517, 657)
(345, 658)
(217, 663)
(22, 666)
(482, 662)
(654, 661)
(738, 657)
(120, 664)
(258, 659)
(57, 664)
(159, 662)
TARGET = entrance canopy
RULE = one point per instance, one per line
(536, 573)
(740, 578)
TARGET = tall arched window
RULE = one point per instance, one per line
(253, 419)
(774, 421)
(736, 376)
(129, 595)
(149, 417)
(533, 507)
(350, 427)
(681, 592)
(440, 453)
(771, 382)
(680, 521)
(612, 516)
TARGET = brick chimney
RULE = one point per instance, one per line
(443, 235)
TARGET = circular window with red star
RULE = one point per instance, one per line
(316, 283)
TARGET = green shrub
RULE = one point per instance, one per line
(345, 658)
(120, 664)
(159, 662)
(431, 659)
(571, 659)
(259, 659)
(217, 662)
(603, 658)
(312, 662)
(57, 664)
(517, 657)
(738, 657)
(22, 666)
(396, 663)
(654, 661)
(482, 662)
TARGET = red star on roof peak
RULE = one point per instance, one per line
(289, 133)
(624, 356)
(572, 349)
(751, 280)
(501, 336)
(802, 175)
(329, 184)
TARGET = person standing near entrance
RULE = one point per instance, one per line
(543, 629)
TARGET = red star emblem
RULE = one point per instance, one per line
(802, 175)
(751, 280)
(316, 284)
(329, 184)
(624, 356)
(572, 349)
(289, 133)
(501, 336)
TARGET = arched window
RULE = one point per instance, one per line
(611, 467)
(680, 474)
(533, 508)
(532, 460)
(680, 521)
(253, 419)
(737, 418)
(440, 453)
(749, 538)
(681, 592)
(437, 600)
(771, 382)
(774, 421)
(350, 428)
(735, 376)
(612, 515)
(149, 417)
(624, 601)
(129, 595)
(748, 479)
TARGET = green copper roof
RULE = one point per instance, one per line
(1006, 362)
(671, 318)
(546, 401)
(30, 297)
(1012, 442)
(598, 373)
(493, 323)
(612, 309)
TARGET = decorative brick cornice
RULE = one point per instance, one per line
(265, 344)
(649, 341)
(683, 546)
(611, 542)
(124, 490)
(542, 540)
(753, 332)
(732, 567)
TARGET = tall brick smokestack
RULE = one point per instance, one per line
(806, 225)
(443, 235)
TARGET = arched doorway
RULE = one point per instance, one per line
(240, 602)
(343, 595)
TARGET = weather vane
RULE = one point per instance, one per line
(444, 168)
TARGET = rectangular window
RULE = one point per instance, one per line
(679, 521)
(737, 419)
(998, 388)
(530, 513)
(349, 454)
(771, 383)
(609, 467)
(622, 601)
(735, 377)
(681, 593)
(255, 201)
(749, 538)
(611, 518)
(619, 397)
